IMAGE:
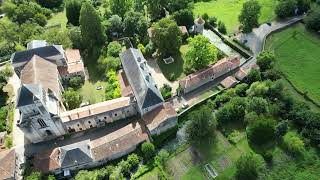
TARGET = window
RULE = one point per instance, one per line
(80, 129)
(78, 125)
(89, 122)
(115, 114)
(42, 123)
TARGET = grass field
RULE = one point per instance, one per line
(58, 18)
(228, 11)
(298, 58)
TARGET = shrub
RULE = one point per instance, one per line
(222, 27)
(114, 48)
(293, 143)
(76, 82)
(267, 156)
(249, 166)
(161, 158)
(148, 150)
(166, 91)
(261, 131)
(133, 159)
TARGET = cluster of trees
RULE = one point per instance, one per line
(4, 76)
(249, 16)
(288, 8)
(113, 87)
(312, 19)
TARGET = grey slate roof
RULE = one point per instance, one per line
(75, 154)
(53, 53)
(27, 94)
(142, 83)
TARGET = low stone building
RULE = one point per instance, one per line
(195, 80)
(229, 82)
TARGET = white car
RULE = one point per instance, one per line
(99, 88)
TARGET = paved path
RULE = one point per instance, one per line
(256, 39)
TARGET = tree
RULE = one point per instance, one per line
(134, 24)
(114, 24)
(114, 48)
(232, 111)
(3, 118)
(166, 91)
(261, 131)
(50, 3)
(282, 128)
(161, 158)
(312, 19)
(91, 29)
(35, 175)
(57, 36)
(258, 105)
(241, 89)
(109, 63)
(265, 60)
(177, 5)
(147, 150)
(184, 17)
(167, 37)
(303, 6)
(73, 8)
(249, 166)
(133, 159)
(222, 27)
(293, 143)
(139, 5)
(311, 129)
(201, 53)
(112, 88)
(76, 38)
(120, 7)
(249, 16)
(201, 126)
(253, 76)
(156, 8)
(72, 99)
(124, 166)
(76, 82)
(28, 31)
(286, 8)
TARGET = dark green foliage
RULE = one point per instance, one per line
(312, 20)
(249, 17)
(57, 36)
(148, 150)
(120, 7)
(176, 5)
(135, 24)
(72, 99)
(241, 89)
(167, 37)
(202, 125)
(261, 131)
(272, 74)
(73, 8)
(222, 27)
(221, 99)
(76, 82)
(258, 105)
(266, 60)
(184, 17)
(34, 176)
(3, 118)
(282, 128)
(303, 6)
(166, 91)
(233, 111)
(90, 24)
(124, 167)
(133, 159)
(253, 76)
(212, 21)
(161, 157)
(50, 3)
(76, 38)
(286, 8)
(114, 24)
(249, 166)
(156, 8)
(114, 48)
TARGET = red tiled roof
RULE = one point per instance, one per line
(157, 116)
(46, 161)
(72, 55)
(241, 74)
(221, 67)
(229, 82)
(124, 84)
(118, 142)
(7, 161)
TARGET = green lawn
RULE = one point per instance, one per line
(228, 11)
(58, 18)
(298, 58)
(174, 71)
(91, 94)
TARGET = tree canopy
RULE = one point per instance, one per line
(249, 17)
(135, 24)
(73, 8)
(312, 19)
(167, 37)
(201, 53)
(261, 131)
(120, 7)
(265, 60)
(249, 166)
(72, 99)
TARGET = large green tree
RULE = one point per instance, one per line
(91, 28)
(135, 24)
(249, 16)
(72, 99)
(265, 60)
(202, 125)
(184, 17)
(120, 7)
(249, 166)
(167, 37)
(261, 131)
(312, 19)
(156, 8)
(232, 111)
(286, 8)
(50, 3)
(73, 8)
(201, 53)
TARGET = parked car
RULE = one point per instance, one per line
(99, 88)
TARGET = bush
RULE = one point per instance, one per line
(267, 156)
(161, 158)
(148, 150)
(261, 131)
(293, 143)
(76, 82)
(133, 160)
(114, 48)
(249, 166)
(212, 21)
(166, 91)
(222, 27)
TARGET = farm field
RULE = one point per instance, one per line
(228, 11)
(295, 48)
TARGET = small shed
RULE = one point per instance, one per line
(199, 25)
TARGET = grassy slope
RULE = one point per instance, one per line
(58, 18)
(298, 58)
(228, 11)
